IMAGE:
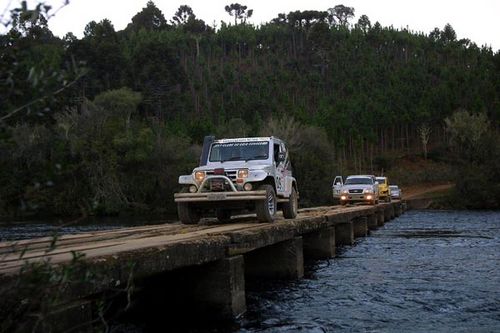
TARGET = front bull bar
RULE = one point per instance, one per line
(233, 195)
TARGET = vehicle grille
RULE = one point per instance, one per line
(356, 191)
(231, 174)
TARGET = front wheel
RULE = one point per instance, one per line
(290, 208)
(266, 209)
(187, 214)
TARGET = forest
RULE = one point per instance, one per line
(105, 124)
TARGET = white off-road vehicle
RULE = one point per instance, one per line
(237, 175)
(360, 188)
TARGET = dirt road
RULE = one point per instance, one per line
(413, 192)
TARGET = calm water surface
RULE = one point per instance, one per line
(426, 271)
(25, 230)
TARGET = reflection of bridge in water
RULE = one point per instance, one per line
(217, 258)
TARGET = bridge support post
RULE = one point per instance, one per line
(387, 213)
(381, 217)
(220, 288)
(320, 244)
(360, 226)
(372, 221)
(284, 260)
(397, 209)
(344, 233)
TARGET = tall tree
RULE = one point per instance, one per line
(364, 23)
(341, 14)
(239, 12)
(182, 15)
(448, 34)
(150, 18)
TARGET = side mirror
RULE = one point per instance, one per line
(337, 183)
(281, 157)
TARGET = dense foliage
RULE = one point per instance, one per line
(107, 122)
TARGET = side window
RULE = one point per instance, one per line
(276, 152)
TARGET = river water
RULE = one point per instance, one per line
(426, 271)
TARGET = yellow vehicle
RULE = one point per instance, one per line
(383, 187)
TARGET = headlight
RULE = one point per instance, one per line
(367, 190)
(242, 173)
(344, 191)
(199, 176)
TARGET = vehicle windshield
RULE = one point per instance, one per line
(381, 180)
(392, 187)
(239, 151)
(356, 181)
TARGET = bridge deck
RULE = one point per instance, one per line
(164, 247)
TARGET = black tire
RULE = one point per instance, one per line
(187, 214)
(266, 209)
(223, 215)
(290, 208)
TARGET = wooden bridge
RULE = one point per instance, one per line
(224, 255)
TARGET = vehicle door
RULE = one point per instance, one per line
(281, 175)
(337, 186)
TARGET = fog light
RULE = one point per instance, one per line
(248, 186)
(343, 197)
(369, 197)
(192, 189)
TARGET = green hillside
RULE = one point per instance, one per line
(105, 124)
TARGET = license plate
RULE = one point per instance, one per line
(216, 196)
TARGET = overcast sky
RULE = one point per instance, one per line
(478, 20)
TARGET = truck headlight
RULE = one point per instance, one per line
(193, 189)
(367, 190)
(242, 173)
(199, 176)
(344, 191)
